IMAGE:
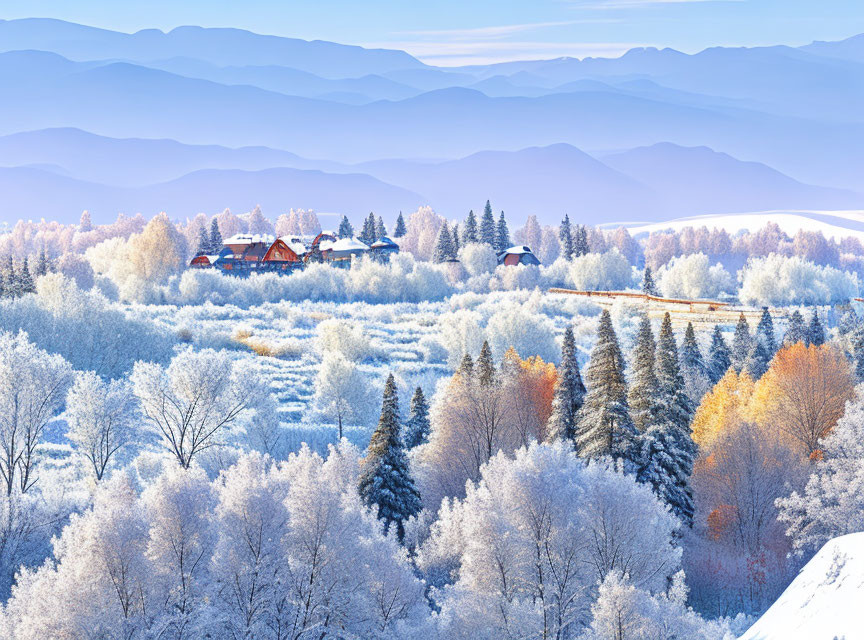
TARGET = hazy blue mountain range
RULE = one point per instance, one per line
(644, 136)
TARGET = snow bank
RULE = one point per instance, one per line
(824, 601)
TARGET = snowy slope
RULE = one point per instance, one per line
(825, 601)
(831, 223)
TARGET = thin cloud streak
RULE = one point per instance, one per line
(502, 31)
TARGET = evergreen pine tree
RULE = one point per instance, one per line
(488, 231)
(380, 228)
(454, 236)
(765, 333)
(580, 242)
(12, 287)
(25, 280)
(815, 332)
(604, 427)
(691, 354)
(367, 234)
(466, 366)
(796, 330)
(485, 368)
(417, 427)
(84, 224)
(741, 344)
(719, 358)
(443, 245)
(400, 229)
(565, 238)
(43, 266)
(569, 393)
(641, 397)
(346, 230)
(469, 233)
(763, 347)
(216, 242)
(203, 242)
(668, 450)
(502, 235)
(648, 285)
(385, 479)
(856, 340)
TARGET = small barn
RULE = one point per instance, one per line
(343, 250)
(203, 262)
(249, 248)
(517, 255)
(383, 248)
(281, 256)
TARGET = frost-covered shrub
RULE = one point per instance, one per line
(692, 276)
(461, 333)
(76, 268)
(782, 280)
(511, 278)
(478, 258)
(84, 327)
(520, 327)
(342, 338)
(601, 272)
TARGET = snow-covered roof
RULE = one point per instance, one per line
(297, 247)
(522, 249)
(347, 244)
(247, 238)
(384, 242)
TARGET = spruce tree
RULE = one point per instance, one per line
(856, 340)
(443, 245)
(400, 229)
(417, 427)
(367, 234)
(765, 332)
(454, 236)
(203, 242)
(485, 368)
(815, 332)
(43, 266)
(10, 279)
(569, 393)
(668, 450)
(763, 347)
(604, 427)
(580, 242)
(385, 479)
(84, 224)
(25, 280)
(796, 330)
(466, 367)
(741, 344)
(380, 228)
(216, 241)
(469, 233)
(648, 285)
(719, 358)
(346, 230)
(565, 238)
(488, 230)
(691, 354)
(642, 396)
(502, 235)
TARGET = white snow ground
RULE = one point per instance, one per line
(831, 223)
(824, 602)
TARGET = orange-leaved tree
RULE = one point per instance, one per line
(722, 408)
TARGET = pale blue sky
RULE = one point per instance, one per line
(468, 31)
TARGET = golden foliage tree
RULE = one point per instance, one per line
(722, 408)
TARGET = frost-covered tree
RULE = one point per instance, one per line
(787, 280)
(85, 224)
(765, 332)
(742, 342)
(444, 249)
(719, 356)
(648, 285)
(604, 427)
(257, 223)
(796, 330)
(762, 348)
(192, 402)
(502, 234)
(569, 393)
(488, 231)
(580, 242)
(456, 238)
(34, 387)
(565, 237)
(531, 234)
(216, 241)
(43, 264)
(400, 230)
(642, 394)
(601, 271)
(25, 279)
(532, 539)
(203, 242)
(469, 233)
(417, 425)
(342, 392)
(485, 367)
(385, 480)
(380, 228)
(345, 228)
(102, 419)
(367, 233)
(815, 331)
(697, 380)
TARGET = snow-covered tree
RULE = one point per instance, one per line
(444, 249)
(85, 224)
(345, 228)
(648, 285)
(385, 480)
(785, 280)
(456, 238)
(796, 330)
(580, 242)
(488, 231)
(102, 419)
(693, 276)
(192, 402)
(216, 242)
(380, 228)
(257, 223)
(604, 427)
(367, 233)
(417, 425)
(203, 242)
(485, 366)
(815, 332)
(43, 264)
(565, 237)
(400, 230)
(642, 394)
(697, 380)
(742, 343)
(342, 392)
(569, 393)
(719, 356)
(600, 271)
(469, 233)
(34, 387)
(502, 234)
